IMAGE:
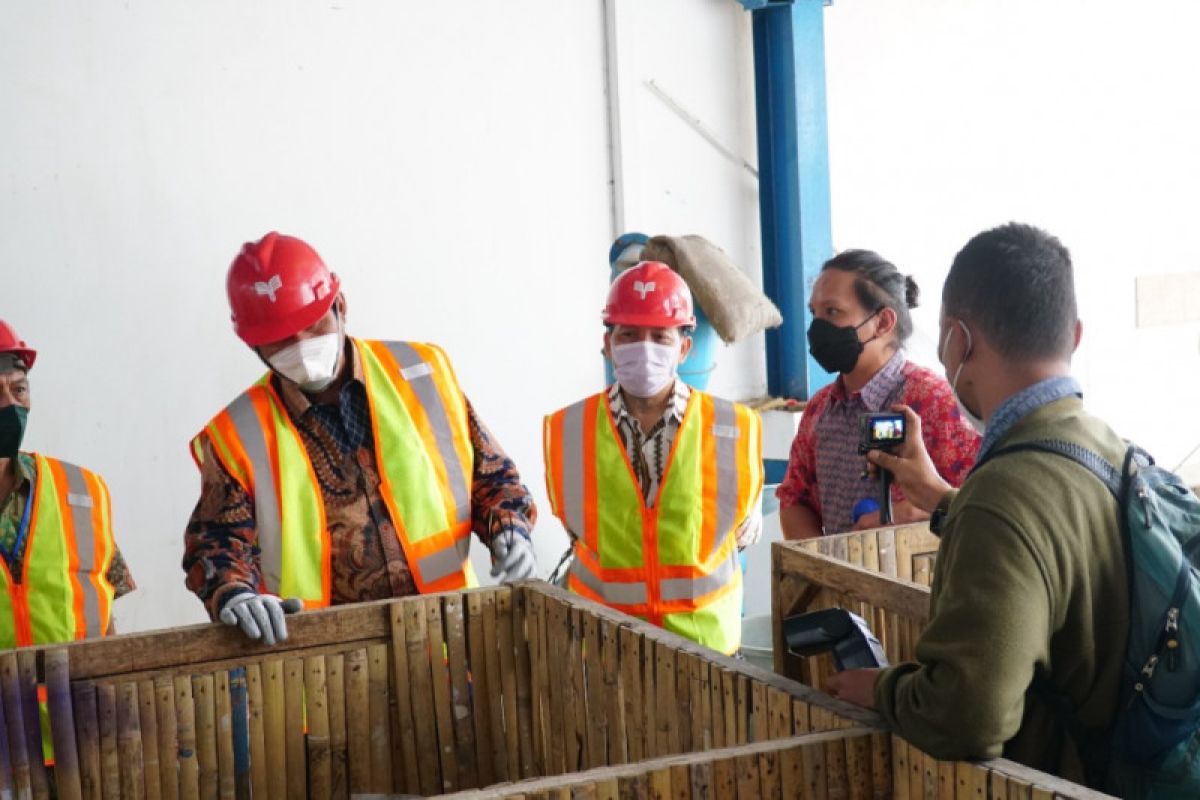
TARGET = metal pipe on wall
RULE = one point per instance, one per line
(793, 163)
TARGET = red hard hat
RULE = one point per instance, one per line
(278, 286)
(649, 295)
(11, 343)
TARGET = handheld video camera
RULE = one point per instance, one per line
(883, 431)
(837, 630)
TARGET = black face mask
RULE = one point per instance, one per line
(836, 349)
(12, 429)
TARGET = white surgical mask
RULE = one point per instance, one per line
(644, 368)
(311, 363)
(976, 423)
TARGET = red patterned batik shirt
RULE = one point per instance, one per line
(825, 470)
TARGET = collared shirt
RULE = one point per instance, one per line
(12, 510)
(1025, 402)
(367, 559)
(649, 451)
(825, 471)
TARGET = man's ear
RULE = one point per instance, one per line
(685, 349)
(1078, 334)
(340, 304)
(887, 320)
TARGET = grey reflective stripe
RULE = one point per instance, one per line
(436, 566)
(724, 421)
(266, 501)
(85, 543)
(692, 588)
(625, 594)
(573, 469)
(421, 380)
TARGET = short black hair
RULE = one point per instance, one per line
(1017, 285)
(879, 285)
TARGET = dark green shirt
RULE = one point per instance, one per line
(1030, 577)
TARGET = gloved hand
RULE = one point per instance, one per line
(260, 616)
(512, 556)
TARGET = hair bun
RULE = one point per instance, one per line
(912, 292)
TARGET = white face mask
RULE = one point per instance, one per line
(311, 363)
(644, 368)
(976, 423)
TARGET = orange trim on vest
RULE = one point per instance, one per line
(590, 512)
(68, 527)
(554, 487)
(708, 466)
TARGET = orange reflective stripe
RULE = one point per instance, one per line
(230, 452)
(448, 389)
(708, 478)
(614, 574)
(552, 443)
(702, 602)
(62, 489)
(591, 526)
(197, 451)
(105, 547)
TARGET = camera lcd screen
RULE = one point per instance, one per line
(887, 429)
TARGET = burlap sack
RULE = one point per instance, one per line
(734, 305)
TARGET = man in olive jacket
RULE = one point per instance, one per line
(1030, 578)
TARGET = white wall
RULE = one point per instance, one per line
(699, 54)
(449, 160)
(1081, 116)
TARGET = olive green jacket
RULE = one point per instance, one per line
(1030, 579)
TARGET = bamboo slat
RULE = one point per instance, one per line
(450, 692)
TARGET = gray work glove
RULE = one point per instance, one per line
(260, 616)
(512, 556)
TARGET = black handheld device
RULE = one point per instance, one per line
(883, 431)
(837, 630)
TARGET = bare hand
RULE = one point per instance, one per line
(854, 686)
(912, 467)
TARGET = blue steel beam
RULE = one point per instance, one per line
(793, 165)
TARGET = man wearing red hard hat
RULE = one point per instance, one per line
(657, 483)
(61, 569)
(352, 470)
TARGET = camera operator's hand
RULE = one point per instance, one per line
(912, 467)
(854, 685)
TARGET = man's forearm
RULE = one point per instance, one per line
(799, 522)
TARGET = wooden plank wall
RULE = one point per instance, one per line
(607, 691)
(854, 764)
(418, 696)
(807, 580)
(907, 552)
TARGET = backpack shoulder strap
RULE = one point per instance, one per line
(1089, 460)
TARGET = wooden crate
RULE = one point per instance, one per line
(850, 764)
(907, 552)
(860, 575)
(421, 696)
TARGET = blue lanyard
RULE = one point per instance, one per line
(18, 550)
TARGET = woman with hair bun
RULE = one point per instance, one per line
(860, 305)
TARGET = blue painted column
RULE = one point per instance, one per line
(793, 166)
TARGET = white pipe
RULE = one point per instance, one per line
(612, 86)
